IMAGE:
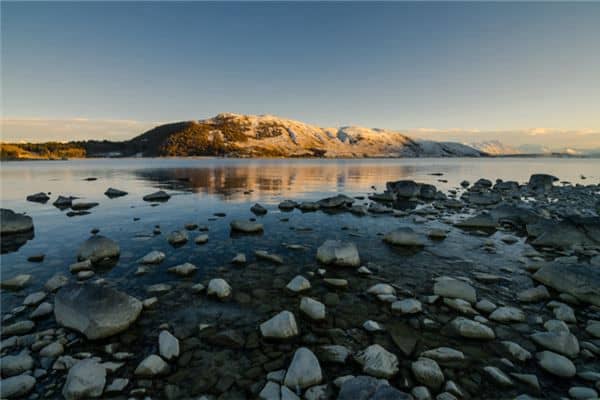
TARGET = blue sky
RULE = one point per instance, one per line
(493, 67)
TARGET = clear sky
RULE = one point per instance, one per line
(114, 69)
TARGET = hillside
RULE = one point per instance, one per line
(235, 135)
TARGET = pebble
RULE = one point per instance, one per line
(312, 308)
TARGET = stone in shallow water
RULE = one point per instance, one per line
(152, 366)
(240, 258)
(313, 308)
(265, 255)
(582, 393)
(377, 361)
(298, 284)
(258, 209)
(34, 298)
(366, 388)
(453, 288)
(112, 192)
(56, 282)
(404, 237)
(15, 365)
(17, 328)
(579, 280)
(428, 372)
(177, 238)
(154, 257)
(341, 254)
(407, 306)
(444, 354)
(561, 342)
(468, 328)
(201, 239)
(281, 326)
(372, 326)
(95, 311)
(168, 345)
(42, 310)
(246, 226)
(498, 376)
(98, 248)
(85, 379)
(12, 223)
(516, 351)
(304, 370)
(556, 364)
(507, 314)
(16, 386)
(16, 283)
(381, 288)
(219, 287)
(334, 353)
(157, 196)
(186, 269)
(533, 294)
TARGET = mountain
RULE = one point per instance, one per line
(238, 135)
(495, 148)
(235, 135)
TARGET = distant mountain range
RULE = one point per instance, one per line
(237, 135)
(497, 148)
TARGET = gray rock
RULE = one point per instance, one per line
(334, 353)
(304, 370)
(579, 280)
(258, 209)
(403, 189)
(168, 345)
(246, 226)
(534, 294)
(17, 282)
(338, 253)
(582, 393)
(369, 388)
(34, 298)
(56, 282)
(507, 314)
(407, 306)
(453, 288)
(13, 223)
(112, 193)
(40, 197)
(96, 311)
(561, 342)
(428, 372)
(117, 385)
(219, 287)
(157, 196)
(201, 239)
(16, 365)
(516, 351)
(556, 364)
(287, 205)
(336, 201)
(265, 255)
(404, 237)
(444, 355)
(377, 361)
(17, 328)
(152, 366)
(298, 284)
(498, 376)
(154, 257)
(85, 379)
(178, 238)
(471, 329)
(42, 310)
(271, 391)
(186, 269)
(312, 308)
(52, 350)
(16, 386)
(98, 248)
(541, 183)
(281, 326)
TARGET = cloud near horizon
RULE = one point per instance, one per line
(46, 129)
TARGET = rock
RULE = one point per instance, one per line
(177, 238)
(334, 353)
(571, 231)
(453, 288)
(443, 355)
(265, 255)
(404, 337)
(516, 351)
(258, 209)
(498, 376)
(558, 341)
(228, 338)
(16, 283)
(271, 391)
(407, 306)
(529, 379)
(312, 308)
(16, 365)
(377, 361)
(17, 328)
(152, 366)
(508, 314)
(281, 326)
(337, 201)
(42, 310)
(81, 206)
(246, 226)
(298, 284)
(201, 239)
(381, 288)
(541, 183)
(404, 237)
(428, 372)
(534, 294)
(154, 257)
(186, 269)
(484, 221)
(460, 305)
(34, 298)
(13, 223)
(159, 288)
(556, 364)
(593, 328)
(338, 253)
(369, 388)
(582, 393)
(287, 394)
(471, 329)
(372, 326)
(403, 189)
(117, 385)
(98, 249)
(16, 386)
(84, 265)
(157, 196)
(240, 258)
(168, 345)
(40, 197)
(307, 206)
(56, 282)
(421, 393)
(219, 287)
(336, 282)
(96, 311)
(52, 350)
(85, 379)
(579, 280)
(485, 306)
(112, 193)
(564, 313)
(304, 370)
(287, 205)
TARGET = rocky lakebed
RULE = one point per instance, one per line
(488, 290)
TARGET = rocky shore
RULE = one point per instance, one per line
(515, 316)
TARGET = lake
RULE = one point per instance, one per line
(204, 187)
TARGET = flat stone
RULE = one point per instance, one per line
(18, 328)
(157, 196)
(407, 306)
(382, 288)
(533, 294)
(265, 255)
(246, 226)
(471, 329)
(564, 343)
(34, 298)
(338, 253)
(334, 353)
(177, 238)
(12, 223)
(17, 282)
(304, 370)
(444, 354)
(404, 237)
(154, 257)
(582, 393)
(453, 288)
(201, 239)
(498, 376)
(507, 314)
(556, 364)
(579, 280)
(184, 270)
(52, 350)
(516, 351)
(16, 365)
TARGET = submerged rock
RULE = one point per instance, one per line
(341, 254)
(313, 308)
(95, 311)
(218, 287)
(571, 231)
(246, 226)
(185, 269)
(428, 372)
(86, 379)
(154, 257)
(98, 249)
(258, 209)
(157, 196)
(369, 388)
(177, 238)
(404, 237)
(16, 283)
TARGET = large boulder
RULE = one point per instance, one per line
(572, 231)
(12, 223)
(579, 280)
(336, 252)
(95, 311)
(403, 189)
(99, 249)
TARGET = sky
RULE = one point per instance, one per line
(521, 73)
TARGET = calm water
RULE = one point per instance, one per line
(201, 187)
